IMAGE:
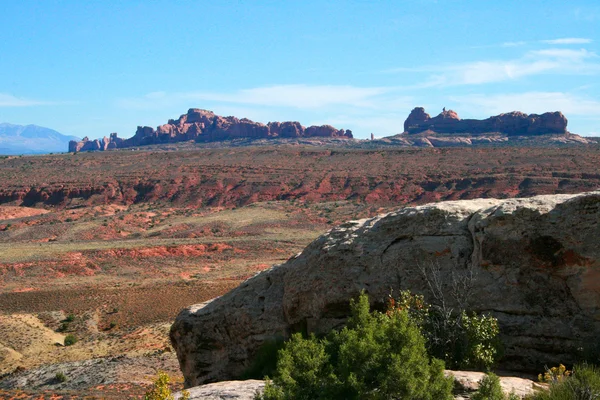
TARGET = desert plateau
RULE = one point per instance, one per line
(111, 252)
(257, 200)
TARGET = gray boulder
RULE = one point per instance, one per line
(230, 390)
(535, 263)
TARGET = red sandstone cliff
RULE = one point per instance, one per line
(512, 124)
(206, 126)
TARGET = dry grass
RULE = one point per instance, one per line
(164, 230)
(124, 290)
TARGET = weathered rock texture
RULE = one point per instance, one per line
(536, 262)
(467, 382)
(206, 126)
(230, 390)
(512, 124)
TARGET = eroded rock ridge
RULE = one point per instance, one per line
(535, 260)
(512, 124)
(206, 126)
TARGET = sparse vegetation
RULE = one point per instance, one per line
(555, 374)
(582, 384)
(60, 377)
(490, 389)
(161, 390)
(87, 270)
(70, 340)
(462, 341)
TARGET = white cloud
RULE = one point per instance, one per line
(529, 102)
(536, 62)
(513, 44)
(567, 41)
(281, 96)
(567, 54)
(560, 61)
(7, 100)
(299, 96)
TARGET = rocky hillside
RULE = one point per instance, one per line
(534, 266)
(512, 124)
(239, 176)
(205, 126)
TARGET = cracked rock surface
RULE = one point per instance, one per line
(535, 262)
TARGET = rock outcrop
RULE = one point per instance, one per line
(230, 390)
(206, 126)
(536, 264)
(512, 124)
(465, 383)
(432, 139)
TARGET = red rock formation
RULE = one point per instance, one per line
(326, 131)
(512, 124)
(289, 129)
(206, 126)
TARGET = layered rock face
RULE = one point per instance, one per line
(536, 266)
(512, 124)
(206, 126)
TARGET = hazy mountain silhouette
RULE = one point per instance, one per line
(29, 139)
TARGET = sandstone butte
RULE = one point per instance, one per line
(512, 124)
(535, 263)
(205, 126)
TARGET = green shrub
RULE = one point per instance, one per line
(60, 377)
(482, 346)
(462, 341)
(376, 356)
(490, 389)
(160, 389)
(70, 339)
(583, 384)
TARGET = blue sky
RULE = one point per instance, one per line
(88, 68)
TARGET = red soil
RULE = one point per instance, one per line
(234, 177)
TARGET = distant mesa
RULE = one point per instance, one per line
(512, 124)
(205, 126)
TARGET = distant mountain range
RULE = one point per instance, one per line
(31, 139)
